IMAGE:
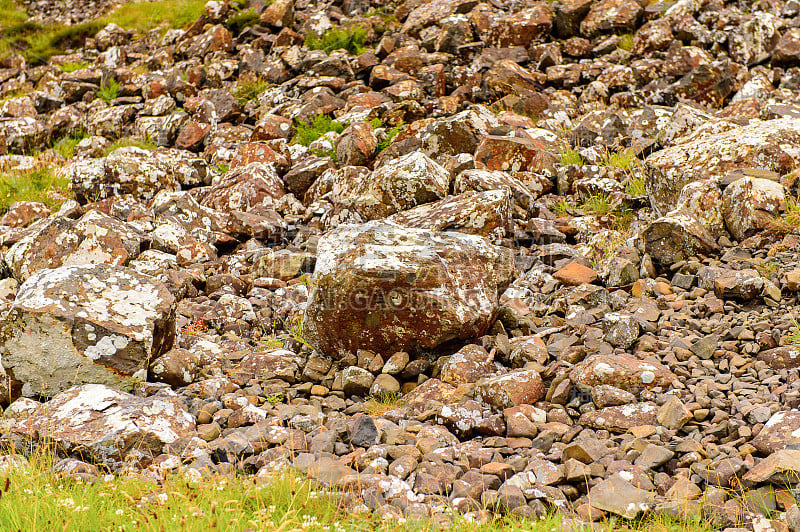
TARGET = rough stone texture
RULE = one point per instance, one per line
(621, 371)
(676, 237)
(766, 144)
(751, 204)
(106, 425)
(779, 431)
(516, 388)
(95, 324)
(386, 288)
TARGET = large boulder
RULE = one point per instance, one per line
(750, 204)
(386, 288)
(86, 324)
(676, 237)
(104, 425)
(773, 144)
(95, 238)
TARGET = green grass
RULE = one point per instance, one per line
(626, 42)
(561, 207)
(635, 186)
(390, 134)
(793, 336)
(381, 404)
(72, 66)
(66, 144)
(108, 91)
(241, 20)
(624, 159)
(39, 42)
(305, 133)
(145, 144)
(41, 185)
(570, 156)
(38, 499)
(596, 204)
(350, 39)
(249, 88)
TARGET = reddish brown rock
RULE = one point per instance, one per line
(469, 364)
(511, 389)
(619, 419)
(574, 274)
(609, 16)
(622, 371)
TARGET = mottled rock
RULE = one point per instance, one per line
(782, 429)
(434, 286)
(512, 389)
(620, 419)
(108, 426)
(96, 324)
(621, 371)
(750, 204)
(676, 237)
(620, 497)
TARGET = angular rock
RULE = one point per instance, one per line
(619, 419)
(676, 237)
(621, 371)
(95, 324)
(620, 497)
(469, 364)
(108, 426)
(779, 431)
(751, 204)
(431, 286)
(515, 388)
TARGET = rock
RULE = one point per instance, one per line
(95, 324)
(738, 284)
(611, 16)
(751, 204)
(621, 329)
(606, 395)
(356, 381)
(782, 429)
(654, 456)
(620, 497)
(785, 357)
(93, 239)
(400, 184)
(107, 425)
(384, 385)
(356, 145)
(781, 467)
(673, 414)
(435, 286)
(702, 200)
(245, 187)
(574, 274)
(265, 365)
(279, 14)
(621, 371)
(620, 419)
(363, 432)
(676, 237)
(486, 214)
(512, 389)
(469, 364)
(769, 144)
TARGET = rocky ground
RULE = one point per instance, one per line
(497, 309)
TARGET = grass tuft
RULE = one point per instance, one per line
(73, 66)
(65, 146)
(389, 135)
(241, 20)
(624, 159)
(125, 142)
(635, 186)
(109, 91)
(596, 204)
(350, 39)
(626, 42)
(381, 404)
(249, 88)
(305, 133)
(41, 185)
(570, 156)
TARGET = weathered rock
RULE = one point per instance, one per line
(432, 287)
(273, 364)
(108, 426)
(611, 16)
(245, 187)
(738, 284)
(782, 429)
(620, 497)
(785, 357)
(95, 324)
(621, 329)
(676, 237)
(621, 371)
(751, 204)
(621, 418)
(469, 364)
(515, 388)
(781, 467)
(772, 144)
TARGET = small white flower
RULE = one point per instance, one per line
(119, 511)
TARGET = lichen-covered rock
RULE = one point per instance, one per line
(469, 364)
(486, 214)
(676, 237)
(399, 185)
(611, 16)
(779, 431)
(108, 426)
(521, 387)
(95, 238)
(738, 284)
(702, 200)
(750, 204)
(128, 170)
(245, 187)
(275, 364)
(619, 419)
(784, 357)
(86, 324)
(386, 288)
(770, 144)
(621, 371)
